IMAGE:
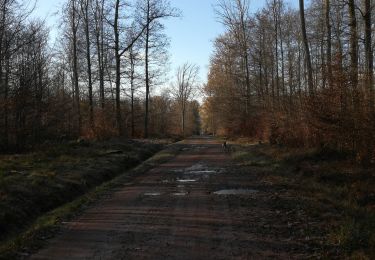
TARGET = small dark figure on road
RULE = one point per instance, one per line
(225, 147)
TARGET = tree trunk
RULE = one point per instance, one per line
(353, 51)
(88, 58)
(118, 69)
(329, 42)
(307, 50)
(99, 33)
(2, 83)
(75, 67)
(132, 89)
(281, 51)
(6, 109)
(276, 21)
(369, 53)
(147, 70)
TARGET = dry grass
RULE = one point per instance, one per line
(337, 192)
(38, 182)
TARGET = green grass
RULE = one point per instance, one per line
(33, 184)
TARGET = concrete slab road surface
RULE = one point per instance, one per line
(195, 206)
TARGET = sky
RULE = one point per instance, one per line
(191, 35)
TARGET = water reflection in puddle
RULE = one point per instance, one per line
(152, 194)
(235, 192)
(186, 180)
(200, 172)
(180, 194)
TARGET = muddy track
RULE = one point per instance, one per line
(173, 212)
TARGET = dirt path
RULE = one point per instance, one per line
(172, 212)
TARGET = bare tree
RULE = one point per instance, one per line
(153, 11)
(185, 88)
(235, 16)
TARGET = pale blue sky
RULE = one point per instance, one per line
(191, 35)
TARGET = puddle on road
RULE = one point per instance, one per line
(195, 167)
(152, 194)
(180, 194)
(186, 180)
(200, 147)
(200, 172)
(201, 169)
(235, 192)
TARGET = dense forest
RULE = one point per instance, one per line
(99, 78)
(301, 77)
(295, 76)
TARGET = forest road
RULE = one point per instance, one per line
(195, 206)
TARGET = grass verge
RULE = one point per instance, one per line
(336, 192)
(111, 160)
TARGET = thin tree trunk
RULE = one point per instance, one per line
(88, 58)
(369, 53)
(353, 51)
(276, 21)
(147, 70)
(329, 42)
(307, 50)
(99, 48)
(132, 88)
(183, 121)
(118, 69)
(75, 67)
(281, 50)
(247, 82)
(3, 82)
(6, 110)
